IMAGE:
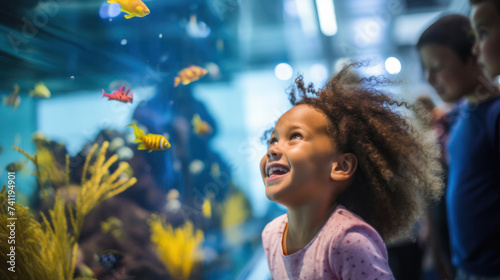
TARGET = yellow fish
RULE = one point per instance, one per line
(206, 209)
(114, 226)
(215, 170)
(150, 142)
(40, 91)
(13, 99)
(200, 127)
(85, 271)
(134, 8)
(189, 74)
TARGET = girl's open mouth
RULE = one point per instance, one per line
(276, 171)
(274, 177)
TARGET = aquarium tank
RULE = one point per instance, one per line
(132, 130)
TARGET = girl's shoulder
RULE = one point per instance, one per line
(344, 224)
(356, 250)
(343, 218)
(275, 227)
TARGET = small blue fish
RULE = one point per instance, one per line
(110, 259)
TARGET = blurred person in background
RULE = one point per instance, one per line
(472, 196)
(445, 49)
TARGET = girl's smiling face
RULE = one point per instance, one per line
(298, 164)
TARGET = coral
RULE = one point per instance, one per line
(48, 250)
(42, 250)
(29, 259)
(178, 249)
(47, 168)
(37, 167)
(100, 186)
(50, 169)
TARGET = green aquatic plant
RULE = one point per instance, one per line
(48, 249)
(178, 249)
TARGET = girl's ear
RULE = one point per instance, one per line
(344, 167)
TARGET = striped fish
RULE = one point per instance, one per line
(151, 142)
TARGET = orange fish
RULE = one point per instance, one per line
(151, 142)
(119, 94)
(189, 75)
(133, 8)
(200, 127)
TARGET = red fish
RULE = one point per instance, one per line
(119, 94)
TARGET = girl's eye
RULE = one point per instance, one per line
(482, 34)
(273, 140)
(435, 68)
(296, 136)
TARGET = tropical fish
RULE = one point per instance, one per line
(215, 170)
(206, 209)
(13, 100)
(119, 94)
(189, 75)
(113, 226)
(109, 259)
(85, 271)
(16, 166)
(39, 137)
(150, 142)
(40, 90)
(134, 8)
(200, 127)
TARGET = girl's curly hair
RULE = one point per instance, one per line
(398, 161)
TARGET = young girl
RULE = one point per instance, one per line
(351, 172)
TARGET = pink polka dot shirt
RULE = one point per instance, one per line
(345, 248)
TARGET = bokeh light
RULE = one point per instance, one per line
(108, 10)
(392, 65)
(318, 73)
(283, 71)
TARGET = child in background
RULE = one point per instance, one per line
(351, 171)
(486, 23)
(445, 49)
(473, 197)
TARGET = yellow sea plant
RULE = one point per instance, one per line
(38, 172)
(235, 210)
(43, 250)
(101, 185)
(50, 169)
(178, 249)
(47, 250)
